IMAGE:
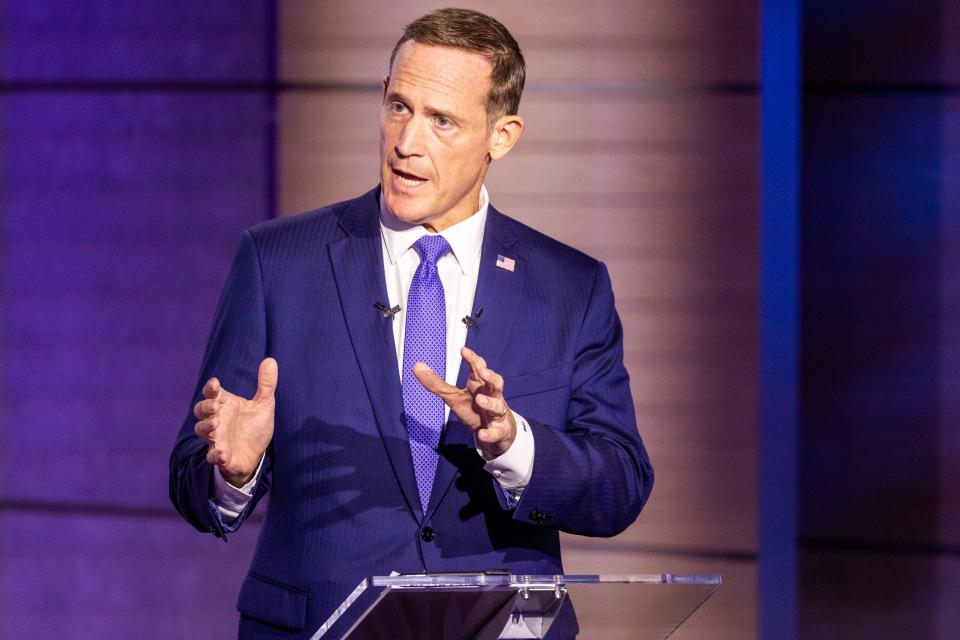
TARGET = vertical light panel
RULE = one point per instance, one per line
(779, 207)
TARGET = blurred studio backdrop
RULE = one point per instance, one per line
(775, 187)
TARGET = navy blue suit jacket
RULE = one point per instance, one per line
(343, 496)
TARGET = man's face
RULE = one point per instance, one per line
(434, 142)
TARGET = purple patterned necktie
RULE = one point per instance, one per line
(425, 340)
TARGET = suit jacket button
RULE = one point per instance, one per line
(539, 517)
(428, 534)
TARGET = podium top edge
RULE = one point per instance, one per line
(498, 579)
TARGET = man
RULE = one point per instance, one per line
(433, 386)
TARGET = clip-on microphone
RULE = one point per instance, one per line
(387, 311)
(474, 320)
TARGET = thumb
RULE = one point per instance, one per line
(267, 379)
(431, 381)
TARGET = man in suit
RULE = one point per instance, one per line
(452, 390)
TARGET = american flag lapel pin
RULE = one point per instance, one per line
(506, 263)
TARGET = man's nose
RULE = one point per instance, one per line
(410, 140)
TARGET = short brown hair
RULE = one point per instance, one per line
(479, 33)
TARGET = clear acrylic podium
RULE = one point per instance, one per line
(487, 606)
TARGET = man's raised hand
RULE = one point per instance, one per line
(238, 430)
(481, 405)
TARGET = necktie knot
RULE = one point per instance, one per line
(431, 248)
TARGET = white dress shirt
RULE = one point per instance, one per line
(458, 272)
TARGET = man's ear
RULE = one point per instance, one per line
(506, 133)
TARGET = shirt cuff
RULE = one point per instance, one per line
(513, 468)
(232, 500)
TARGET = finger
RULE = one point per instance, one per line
(494, 381)
(494, 432)
(474, 385)
(496, 407)
(204, 429)
(488, 435)
(214, 456)
(472, 357)
(477, 364)
(433, 382)
(206, 408)
(212, 388)
(267, 379)
(217, 456)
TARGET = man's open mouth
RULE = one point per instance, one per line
(407, 179)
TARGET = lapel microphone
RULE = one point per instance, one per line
(474, 320)
(387, 311)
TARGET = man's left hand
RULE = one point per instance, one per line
(480, 405)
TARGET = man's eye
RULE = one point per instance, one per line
(444, 121)
(397, 107)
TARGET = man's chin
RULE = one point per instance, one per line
(406, 212)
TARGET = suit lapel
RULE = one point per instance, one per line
(357, 262)
(499, 293)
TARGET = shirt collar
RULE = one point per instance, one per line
(465, 237)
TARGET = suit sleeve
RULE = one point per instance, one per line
(592, 475)
(234, 350)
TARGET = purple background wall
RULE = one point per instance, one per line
(137, 143)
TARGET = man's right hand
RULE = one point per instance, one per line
(237, 430)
